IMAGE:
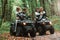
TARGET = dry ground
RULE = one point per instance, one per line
(55, 36)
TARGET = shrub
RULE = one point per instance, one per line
(5, 27)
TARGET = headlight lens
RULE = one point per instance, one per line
(24, 23)
(50, 23)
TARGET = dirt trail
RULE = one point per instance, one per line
(55, 36)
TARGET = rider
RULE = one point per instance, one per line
(42, 13)
(37, 14)
(18, 10)
(22, 15)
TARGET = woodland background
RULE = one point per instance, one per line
(8, 9)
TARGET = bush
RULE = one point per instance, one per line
(56, 22)
(5, 27)
(2, 38)
(13, 17)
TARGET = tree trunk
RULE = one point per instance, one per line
(0, 13)
(4, 3)
(6, 10)
(9, 11)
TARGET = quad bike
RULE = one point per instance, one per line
(22, 27)
(44, 25)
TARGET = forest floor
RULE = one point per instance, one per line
(55, 36)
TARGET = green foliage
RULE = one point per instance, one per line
(2, 38)
(31, 5)
(56, 22)
(57, 26)
(0, 8)
(5, 27)
(0, 19)
(13, 18)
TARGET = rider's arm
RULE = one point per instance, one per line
(44, 14)
(17, 16)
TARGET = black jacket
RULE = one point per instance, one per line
(21, 15)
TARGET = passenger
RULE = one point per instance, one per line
(37, 14)
(24, 11)
(18, 10)
(42, 13)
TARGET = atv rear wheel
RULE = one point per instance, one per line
(33, 32)
(41, 31)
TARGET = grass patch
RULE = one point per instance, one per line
(56, 22)
(2, 38)
(5, 27)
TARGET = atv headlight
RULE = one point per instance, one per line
(50, 23)
(24, 23)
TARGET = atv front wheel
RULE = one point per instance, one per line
(33, 32)
(19, 31)
(25, 34)
(12, 33)
(51, 30)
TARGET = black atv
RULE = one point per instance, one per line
(44, 25)
(22, 27)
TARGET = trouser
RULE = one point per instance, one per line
(16, 25)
